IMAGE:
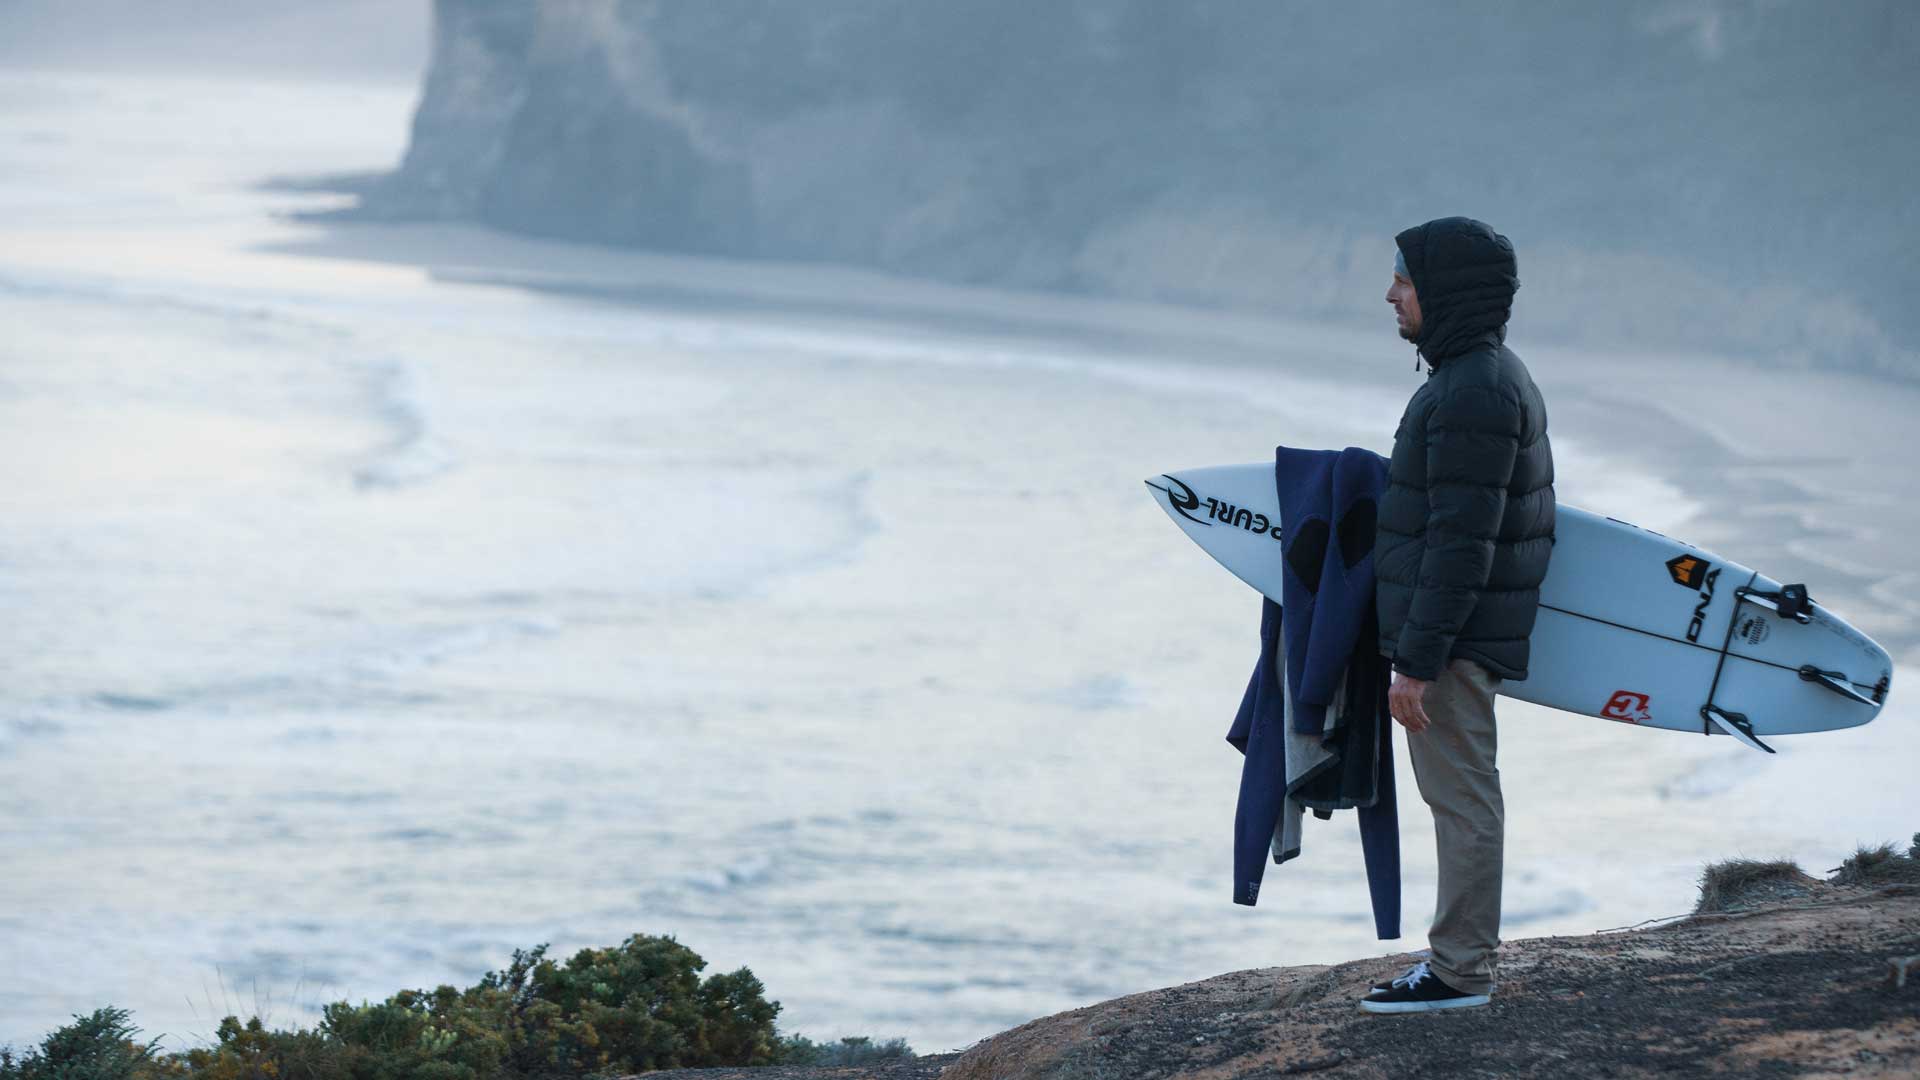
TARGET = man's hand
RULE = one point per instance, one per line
(1404, 700)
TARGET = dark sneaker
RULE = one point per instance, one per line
(1419, 990)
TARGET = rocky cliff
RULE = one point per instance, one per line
(1678, 173)
(1796, 978)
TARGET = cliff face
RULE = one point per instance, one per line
(1806, 985)
(1796, 989)
(1702, 173)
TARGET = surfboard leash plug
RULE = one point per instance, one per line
(1791, 602)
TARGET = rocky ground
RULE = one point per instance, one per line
(921, 1068)
(1787, 979)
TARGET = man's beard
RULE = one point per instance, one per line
(1409, 332)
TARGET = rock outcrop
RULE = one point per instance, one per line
(1705, 173)
(1807, 988)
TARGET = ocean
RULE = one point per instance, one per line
(382, 598)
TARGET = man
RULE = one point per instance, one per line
(1460, 549)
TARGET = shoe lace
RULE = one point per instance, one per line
(1413, 976)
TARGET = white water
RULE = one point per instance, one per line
(365, 623)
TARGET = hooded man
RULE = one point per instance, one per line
(1461, 546)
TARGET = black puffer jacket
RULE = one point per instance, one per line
(1466, 525)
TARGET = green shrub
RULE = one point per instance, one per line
(638, 1006)
(634, 1007)
(95, 1047)
(412, 1035)
(250, 1052)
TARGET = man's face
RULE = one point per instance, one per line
(1407, 304)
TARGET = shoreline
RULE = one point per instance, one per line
(1710, 447)
(463, 253)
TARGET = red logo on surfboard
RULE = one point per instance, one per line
(1628, 707)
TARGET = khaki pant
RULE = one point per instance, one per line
(1453, 763)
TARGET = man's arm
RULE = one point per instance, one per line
(1473, 438)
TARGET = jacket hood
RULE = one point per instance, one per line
(1465, 275)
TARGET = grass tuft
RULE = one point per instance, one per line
(1879, 865)
(1744, 882)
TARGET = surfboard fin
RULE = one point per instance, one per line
(1736, 725)
(1835, 681)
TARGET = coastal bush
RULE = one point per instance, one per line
(250, 1051)
(638, 1006)
(413, 1035)
(99, 1046)
(634, 1007)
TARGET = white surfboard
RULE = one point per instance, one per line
(1634, 626)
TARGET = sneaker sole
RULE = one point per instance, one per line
(1425, 1006)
